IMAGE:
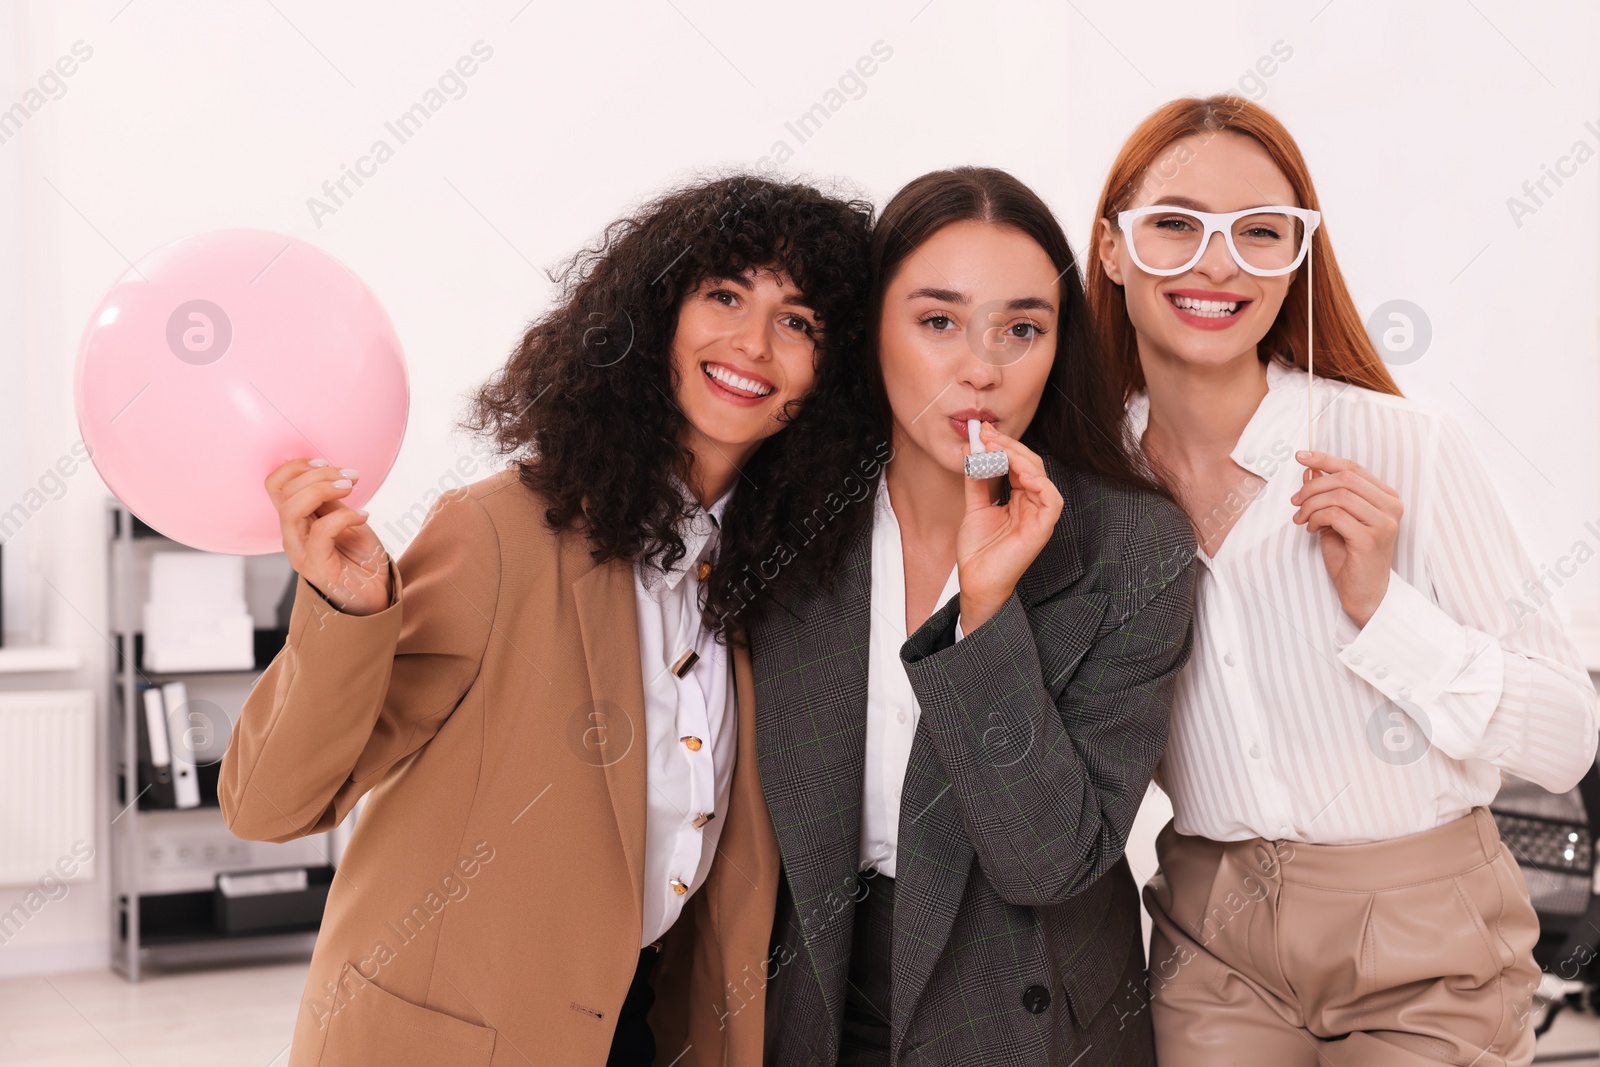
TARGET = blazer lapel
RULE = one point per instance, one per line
(811, 720)
(1058, 563)
(935, 855)
(932, 862)
(744, 795)
(615, 737)
(753, 849)
(746, 859)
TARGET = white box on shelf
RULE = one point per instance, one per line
(258, 883)
(196, 618)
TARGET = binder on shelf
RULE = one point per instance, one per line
(193, 618)
(185, 784)
(155, 751)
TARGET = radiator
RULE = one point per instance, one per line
(46, 786)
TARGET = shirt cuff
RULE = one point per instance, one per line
(1409, 650)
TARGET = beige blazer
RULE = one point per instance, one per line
(487, 908)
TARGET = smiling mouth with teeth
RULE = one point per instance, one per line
(1207, 309)
(735, 383)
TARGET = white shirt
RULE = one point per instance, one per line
(683, 782)
(1290, 721)
(892, 709)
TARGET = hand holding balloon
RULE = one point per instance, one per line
(218, 358)
(329, 543)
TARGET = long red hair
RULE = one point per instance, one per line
(1344, 352)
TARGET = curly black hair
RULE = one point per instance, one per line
(586, 400)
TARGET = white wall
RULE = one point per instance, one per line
(1419, 120)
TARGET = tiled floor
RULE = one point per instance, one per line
(1574, 1041)
(243, 1017)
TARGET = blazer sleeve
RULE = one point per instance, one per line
(1049, 773)
(350, 696)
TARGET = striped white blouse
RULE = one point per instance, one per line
(1290, 721)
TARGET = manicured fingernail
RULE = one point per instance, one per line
(362, 512)
(1302, 454)
(342, 483)
(319, 463)
(349, 472)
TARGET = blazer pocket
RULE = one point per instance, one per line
(375, 1026)
(1091, 975)
(1089, 985)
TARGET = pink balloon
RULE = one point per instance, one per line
(220, 356)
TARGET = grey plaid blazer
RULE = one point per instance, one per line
(1016, 917)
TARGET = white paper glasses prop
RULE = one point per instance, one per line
(1264, 241)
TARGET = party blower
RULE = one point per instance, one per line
(979, 463)
(220, 356)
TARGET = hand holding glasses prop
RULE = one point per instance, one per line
(1264, 241)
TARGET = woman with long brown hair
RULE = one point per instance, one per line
(956, 735)
(1332, 888)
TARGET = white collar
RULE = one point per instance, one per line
(1273, 434)
(698, 530)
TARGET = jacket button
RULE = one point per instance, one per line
(1036, 998)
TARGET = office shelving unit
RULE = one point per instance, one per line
(164, 862)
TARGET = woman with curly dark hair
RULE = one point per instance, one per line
(548, 697)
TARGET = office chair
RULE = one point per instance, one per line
(1552, 837)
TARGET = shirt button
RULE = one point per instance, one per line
(1355, 657)
(901, 715)
(1255, 751)
(703, 818)
(678, 887)
(1405, 692)
(703, 571)
(1229, 659)
(1381, 672)
(692, 743)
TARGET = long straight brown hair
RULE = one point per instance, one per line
(1344, 352)
(1079, 418)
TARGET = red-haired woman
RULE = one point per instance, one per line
(1332, 888)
